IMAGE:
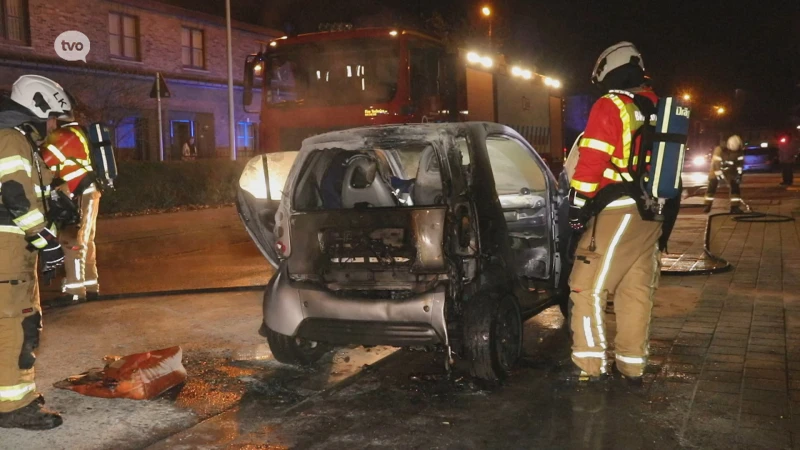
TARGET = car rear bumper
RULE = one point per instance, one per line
(324, 316)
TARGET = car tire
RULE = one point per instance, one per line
(492, 335)
(295, 351)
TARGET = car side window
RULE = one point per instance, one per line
(514, 166)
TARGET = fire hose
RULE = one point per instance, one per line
(710, 263)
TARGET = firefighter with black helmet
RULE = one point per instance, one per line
(727, 164)
(618, 252)
(27, 239)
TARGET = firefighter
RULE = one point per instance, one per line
(618, 252)
(26, 240)
(727, 163)
(66, 152)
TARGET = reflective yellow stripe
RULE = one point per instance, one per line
(13, 164)
(622, 202)
(38, 190)
(587, 331)
(39, 242)
(599, 285)
(630, 359)
(589, 354)
(16, 392)
(78, 173)
(583, 187)
(626, 128)
(29, 220)
(57, 153)
(612, 174)
(596, 144)
(621, 163)
(11, 229)
(661, 148)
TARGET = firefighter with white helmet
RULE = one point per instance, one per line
(66, 151)
(727, 163)
(618, 251)
(27, 240)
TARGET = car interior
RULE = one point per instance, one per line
(377, 178)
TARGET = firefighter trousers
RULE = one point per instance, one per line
(80, 261)
(20, 321)
(625, 262)
(736, 193)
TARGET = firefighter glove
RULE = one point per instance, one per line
(50, 253)
(577, 218)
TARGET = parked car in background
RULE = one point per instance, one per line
(761, 159)
(408, 235)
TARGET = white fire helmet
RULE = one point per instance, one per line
(734, 143)
(42, 96)
(613, 57)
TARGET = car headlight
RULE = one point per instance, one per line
(699, 161)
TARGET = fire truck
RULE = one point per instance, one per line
(319, 82)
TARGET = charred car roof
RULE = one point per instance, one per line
(385, 135)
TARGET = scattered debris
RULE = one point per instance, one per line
(140, 376)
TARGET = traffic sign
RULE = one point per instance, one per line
(159, 85)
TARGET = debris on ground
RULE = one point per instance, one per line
(140, 376)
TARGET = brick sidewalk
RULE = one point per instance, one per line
(729, 359)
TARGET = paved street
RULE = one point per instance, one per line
(724, 371)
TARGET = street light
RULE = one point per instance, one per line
(720, 110)
(687, 97)
(487, 12)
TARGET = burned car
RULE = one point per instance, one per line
(406, 235)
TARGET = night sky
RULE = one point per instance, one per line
(708, 48)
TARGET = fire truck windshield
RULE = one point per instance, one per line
(333, 73)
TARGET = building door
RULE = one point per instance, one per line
(204, 134)
(180, 132)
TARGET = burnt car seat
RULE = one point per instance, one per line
(428, 185)
(363, 184)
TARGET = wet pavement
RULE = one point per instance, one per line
(724, 370)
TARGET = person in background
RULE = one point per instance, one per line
(786, 156)
(66, 152)
(727, 164)
(189, 150)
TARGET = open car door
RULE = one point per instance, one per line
(259, 195)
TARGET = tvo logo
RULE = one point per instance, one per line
(72, 46)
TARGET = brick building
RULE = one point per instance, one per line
(131, 40)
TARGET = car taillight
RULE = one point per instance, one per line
(281, 247)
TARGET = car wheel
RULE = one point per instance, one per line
(492, 335)
(295, 351)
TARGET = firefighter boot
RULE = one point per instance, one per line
(34, 416)
(68, 299)
(707, 208)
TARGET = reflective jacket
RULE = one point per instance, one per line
(21, 194)
(606, 146)
(727, 161)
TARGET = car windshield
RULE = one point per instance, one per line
(370, 178)
(332, 73)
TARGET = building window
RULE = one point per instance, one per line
(192, 48)
(14, 20)
(246, 136)
(123, 35)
